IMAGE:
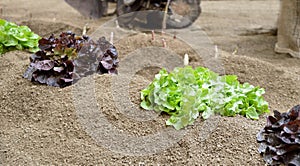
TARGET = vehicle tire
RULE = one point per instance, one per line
(183, 13)
(124, 9)
(92, 9)
(127, 13)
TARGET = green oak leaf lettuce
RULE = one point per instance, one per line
(186, 92)
(14, 37)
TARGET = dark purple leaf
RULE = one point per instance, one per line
(58, 69)
(276, 157)
(52, 81)
(113, 71)
(290, 129)
(277, 114)
(107, 59)
(271, 120)
(29, 71)
(297, 140)
(260, 136)
(69, 57)
(45, 44)
(280, 152)
(106, 65)
(272, 149)
(67, 79)
(69, 66)
(41, 79)
(44, 65)
(262, 148)
(116, 62)
(268, 158)
(295, 159)
(280, 139)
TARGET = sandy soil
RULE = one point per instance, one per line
(40, 125)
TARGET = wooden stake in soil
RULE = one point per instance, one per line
(186, 60)
(164, 43)
(216, 51)
(174, 37)
(162, 33)
(117, 24)
(112, 38)
(153, 35)
(164, 23)
(235, 51)
(298, 43)
(85, 29)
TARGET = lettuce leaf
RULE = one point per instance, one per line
(62, 61)
(14, 37)
(279, 139)
(186, 92)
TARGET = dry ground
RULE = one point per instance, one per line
(40, 125)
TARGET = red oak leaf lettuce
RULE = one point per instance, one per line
(280, 138)
(64, 60)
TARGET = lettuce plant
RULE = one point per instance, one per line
(280, 138)
(14, 37)
(187, 92)
(66, 59)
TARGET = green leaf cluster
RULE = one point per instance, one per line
(14, 37)
(186, 92)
